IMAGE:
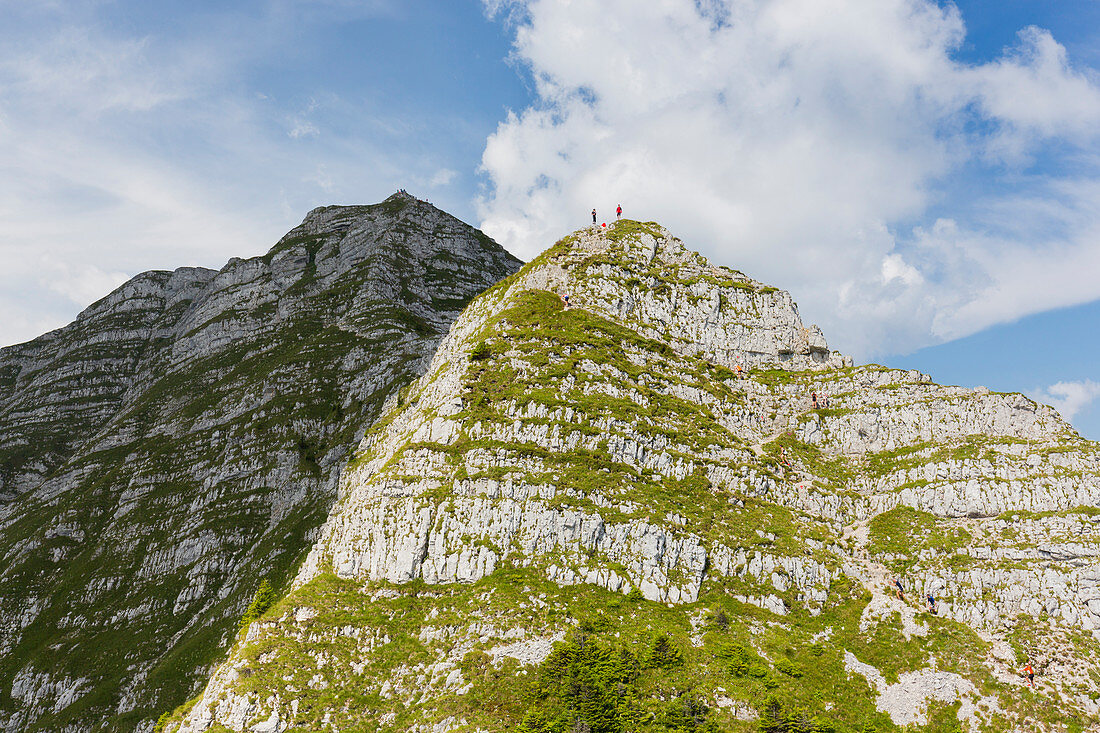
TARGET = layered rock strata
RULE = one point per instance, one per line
(182, 440)
(582, 434)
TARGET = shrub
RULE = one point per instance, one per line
(788, 668)
(264, 598)
(721, 620)
(480, 352)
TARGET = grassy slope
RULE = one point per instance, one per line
(604, 673)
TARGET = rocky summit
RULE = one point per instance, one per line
(632, 491)
(182, 440)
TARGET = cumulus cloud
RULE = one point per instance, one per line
(838, 150)
(1069, 398)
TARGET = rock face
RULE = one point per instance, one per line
(582, 461)
(182, 440)
(60, 389)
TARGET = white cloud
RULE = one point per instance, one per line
(82, 284)
(442, 177)
(1069, 398)
(121, 153)
(809, 144)
(80, 73)
(303, 128)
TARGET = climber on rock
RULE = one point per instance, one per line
(899, 589)
(813, 399)
(1029, 672)
(931, 600)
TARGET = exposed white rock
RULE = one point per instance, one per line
(442, 494)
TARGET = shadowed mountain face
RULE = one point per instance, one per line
(182, 439)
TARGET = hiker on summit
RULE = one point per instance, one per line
(593, 216)
(618, 211)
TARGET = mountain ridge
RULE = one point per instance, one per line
(581, 468)
(199, 432)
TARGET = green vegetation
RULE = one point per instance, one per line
(905, 532)
(631, 229)
(587, 685)
(625, 664)
(264, 598)
(212, 452)
(480, 352)
(573, 411)
(835, 471)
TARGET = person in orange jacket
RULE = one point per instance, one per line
(1029, 672)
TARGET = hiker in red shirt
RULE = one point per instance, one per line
(618, 211)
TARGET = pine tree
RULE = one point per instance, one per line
(264, 598)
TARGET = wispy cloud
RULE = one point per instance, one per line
(303, 128)
(837, 149)
(126, 150)
(442, 177)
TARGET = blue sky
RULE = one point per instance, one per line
(923, 177)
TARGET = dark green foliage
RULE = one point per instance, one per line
(776, 717)
(265, 596)
(310, 452)
(480, 352)
(788, 668)
(587, 685)
(684, 713)
(196, 448)
(742, 662)
(664, 653)
(583, 685)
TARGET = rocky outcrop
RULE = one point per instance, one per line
(618, 444)
(584, 422)
(60, 389)
(182, 440)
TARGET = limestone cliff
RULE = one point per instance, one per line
(581, 518)
(182, 440)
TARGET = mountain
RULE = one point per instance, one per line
(581, 517)
(182, 439)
